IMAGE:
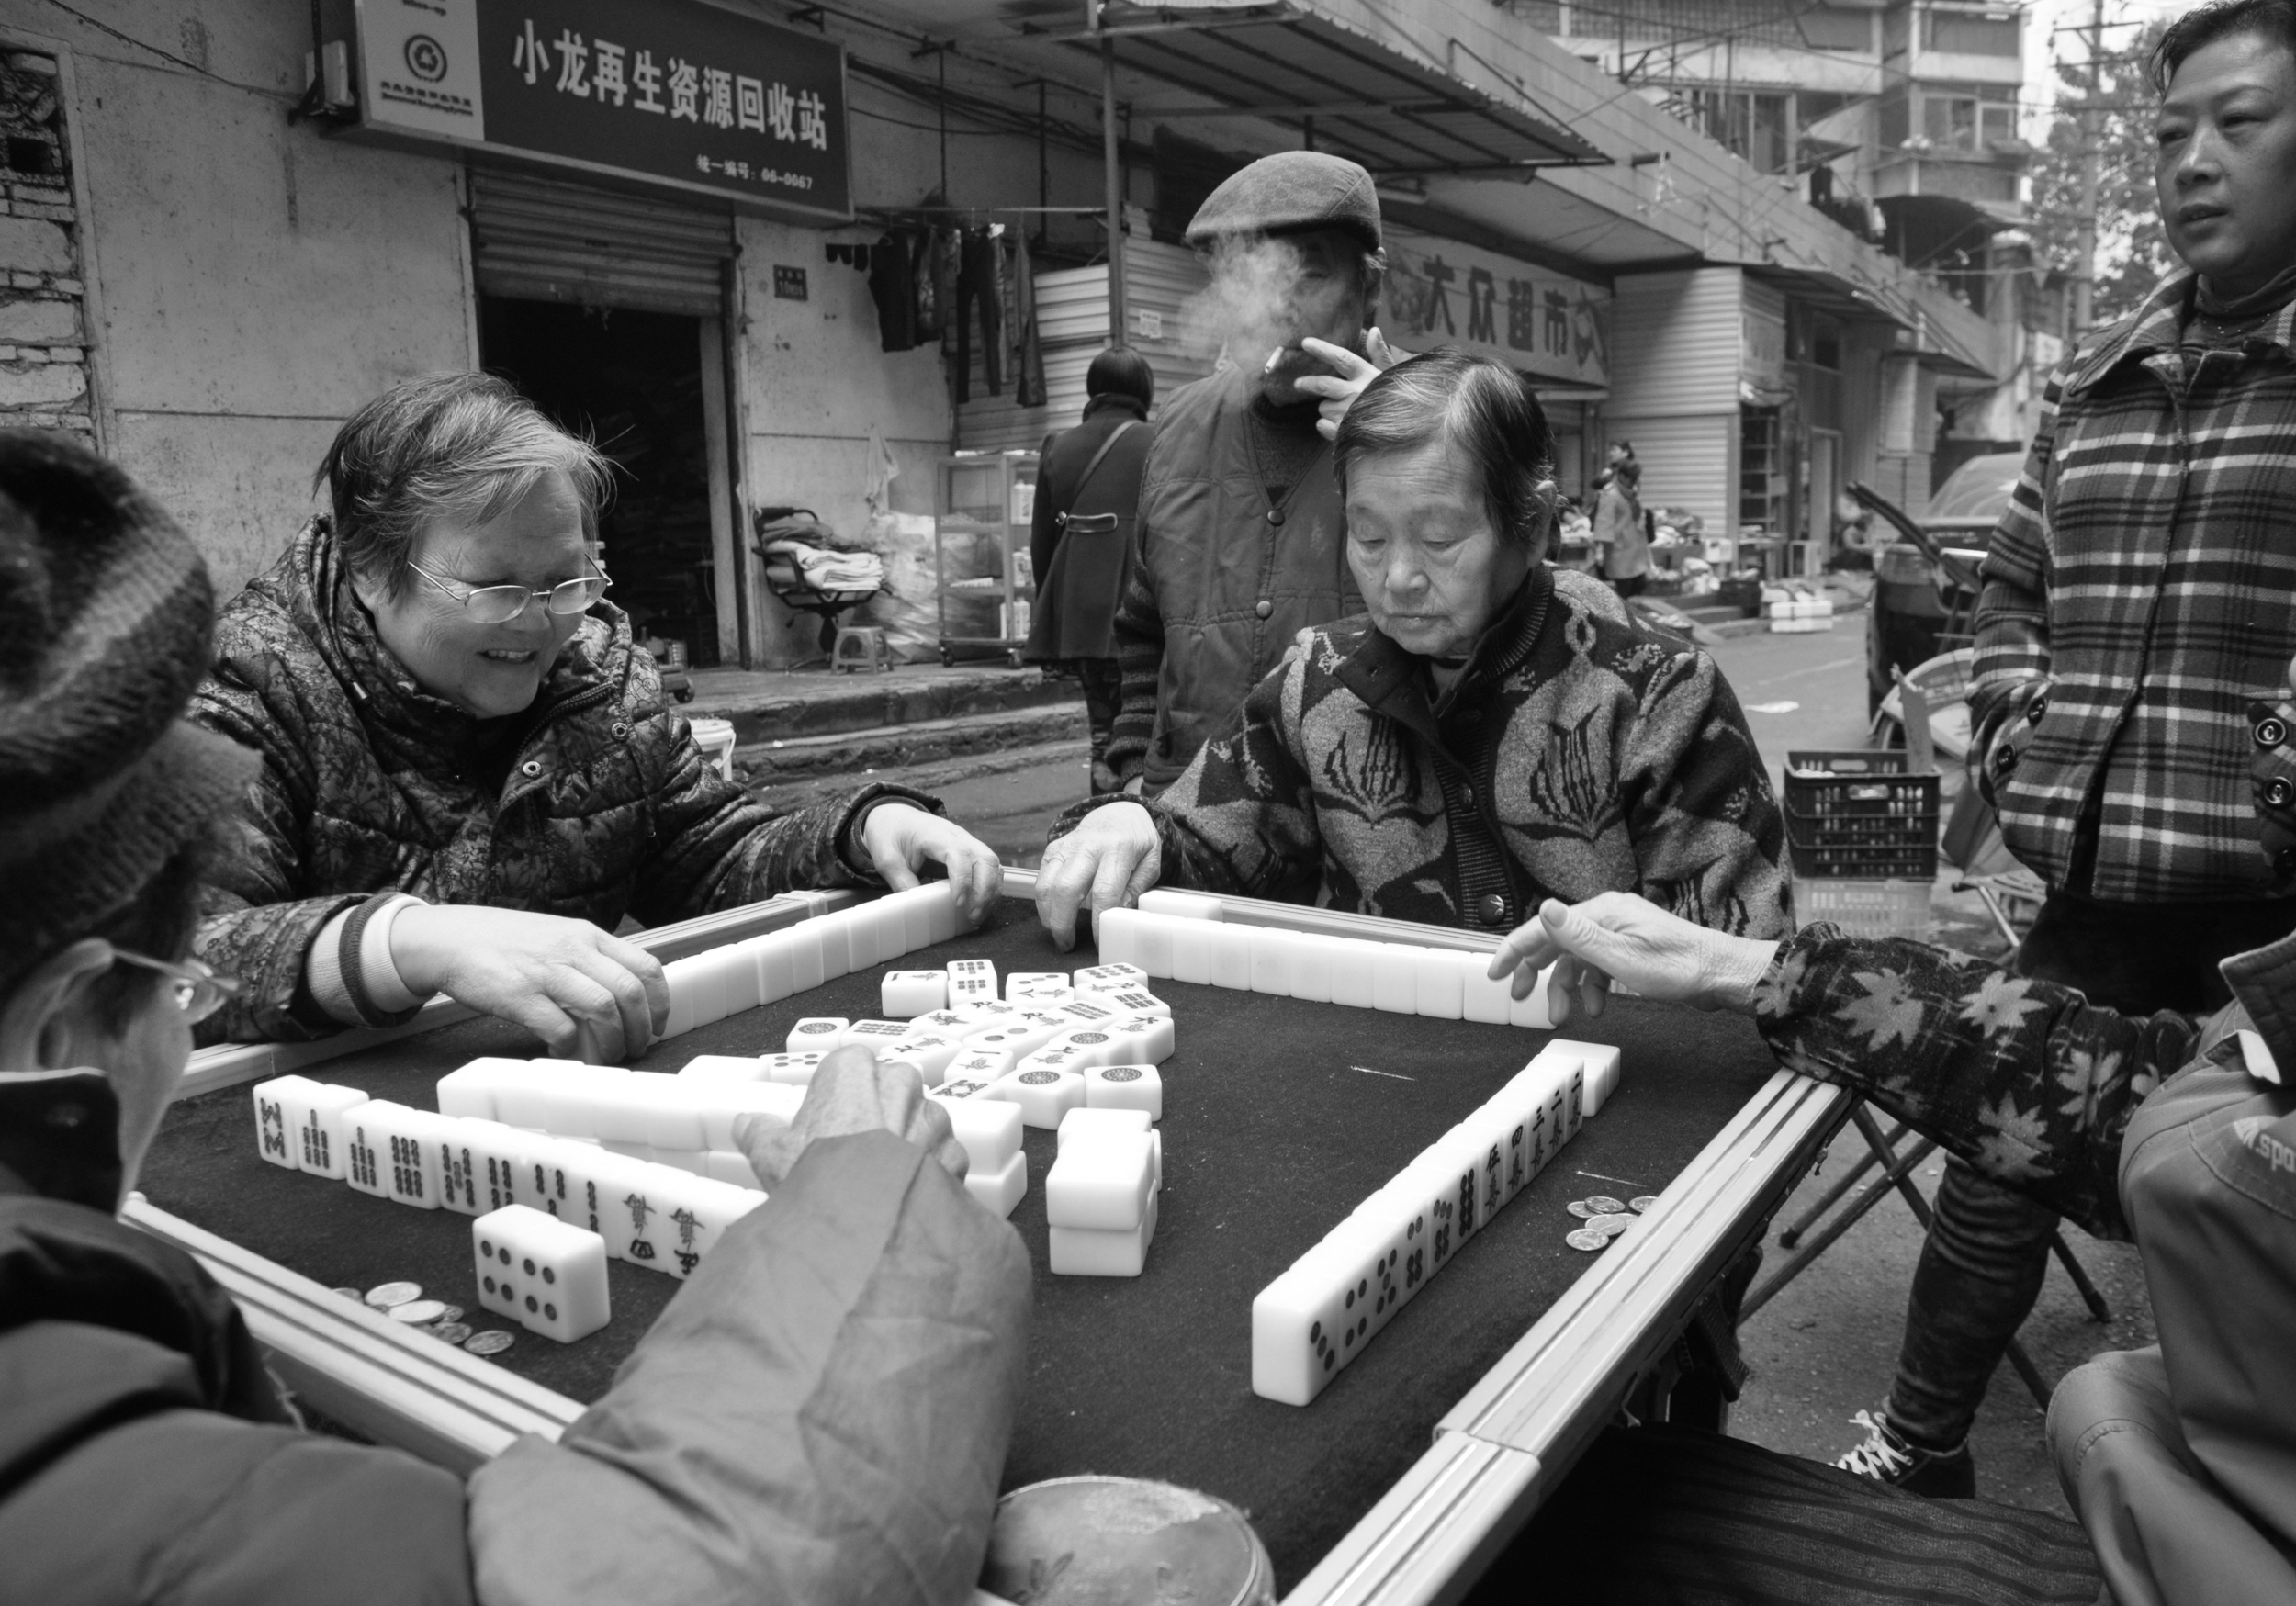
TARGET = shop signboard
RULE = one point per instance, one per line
(670, 93)
(1441, 293)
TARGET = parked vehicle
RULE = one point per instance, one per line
(1925, 582)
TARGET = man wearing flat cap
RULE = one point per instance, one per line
(1242, 536)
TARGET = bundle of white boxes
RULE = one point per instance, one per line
(1794, 612)
(1320, 1314)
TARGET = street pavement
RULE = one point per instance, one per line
(1824, 1348)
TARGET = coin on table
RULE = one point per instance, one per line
(1641, 1203)
(1603, 1205)
(385, 1296)
(451, 1333)
(1587, 1239)
(417, 1312)
(1610, 1226)
(1579, 1208)
(353, 1295)
(448, 1313)
(492, 1342)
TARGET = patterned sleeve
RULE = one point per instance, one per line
(2024, 1080)
(2012, 617)
(1241, 818)
(1709, 838)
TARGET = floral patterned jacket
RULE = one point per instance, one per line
(1578, 752)
(2024, 1080)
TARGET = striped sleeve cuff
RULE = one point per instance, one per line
(384, 991)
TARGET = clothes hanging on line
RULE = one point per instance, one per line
(892, 286)
(980, 284)
(1028, 347)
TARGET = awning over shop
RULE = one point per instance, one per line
(1342, 90)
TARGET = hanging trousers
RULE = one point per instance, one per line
(980, 278)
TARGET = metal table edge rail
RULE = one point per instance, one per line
(1429, 1537)
(1594, 1338)
(397, 1385)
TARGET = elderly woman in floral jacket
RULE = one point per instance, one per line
(1496, 732)
(471, 773)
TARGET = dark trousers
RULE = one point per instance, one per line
(1664, 1516)
(980, 277)
(1987, 1251)
(1104, 695)
(1632, 586)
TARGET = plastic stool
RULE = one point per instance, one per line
(860, 647)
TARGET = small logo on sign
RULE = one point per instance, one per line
(789, 283)
(425, 58)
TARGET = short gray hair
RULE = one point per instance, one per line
(466, 446)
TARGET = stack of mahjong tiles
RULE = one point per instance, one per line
(491, 1147)
(1186, 936)
(1318, 1316)
(707, 987)
(1101, 1196)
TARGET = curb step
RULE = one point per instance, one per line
(797, 792)
(901, 749)
(876, 703)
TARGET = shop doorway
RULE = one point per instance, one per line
(636, 384)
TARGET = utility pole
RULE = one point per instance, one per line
(1111, 156)
(2085, 276)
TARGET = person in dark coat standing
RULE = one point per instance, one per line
(1080, 541)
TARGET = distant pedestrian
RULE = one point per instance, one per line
(1620, 531)
(1080, 542)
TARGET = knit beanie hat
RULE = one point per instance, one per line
(105, 620)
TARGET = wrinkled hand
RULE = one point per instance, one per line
(1340, 390)
(1106, 862)
(2272, 777)
(899, 837)
(851, 1091)
(1617, 936)
(561, 978)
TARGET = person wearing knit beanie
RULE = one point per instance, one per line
(106, 795)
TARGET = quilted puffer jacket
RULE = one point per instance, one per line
(595, 803)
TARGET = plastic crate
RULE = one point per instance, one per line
(1866, 908)
(1862, 815)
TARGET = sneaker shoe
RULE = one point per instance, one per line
(1887, 1458)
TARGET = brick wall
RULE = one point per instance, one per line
(43, 338)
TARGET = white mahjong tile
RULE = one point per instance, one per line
(1273, 952)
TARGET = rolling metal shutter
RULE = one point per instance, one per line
(542, 240)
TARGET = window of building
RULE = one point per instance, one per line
(1825, 27)
(1761, 485)
(1964, 122)
(1971, 33)
(1748, 123)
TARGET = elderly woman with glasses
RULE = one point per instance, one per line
(471, 773)
(1496, 732)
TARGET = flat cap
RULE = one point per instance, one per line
(1291, 193)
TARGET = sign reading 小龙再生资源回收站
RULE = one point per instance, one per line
(669, 92)
(1441, 293)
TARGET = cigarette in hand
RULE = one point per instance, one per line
(1273, 358)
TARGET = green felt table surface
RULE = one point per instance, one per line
(1280, 1116)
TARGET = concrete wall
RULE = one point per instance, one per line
(257, 281)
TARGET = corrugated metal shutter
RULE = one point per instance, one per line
(1675, 345)
(1690, 463)
(1072, 328)
(542, 240)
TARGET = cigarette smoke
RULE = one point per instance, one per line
(1247, 308)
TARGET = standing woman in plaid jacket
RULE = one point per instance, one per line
(2139, 597)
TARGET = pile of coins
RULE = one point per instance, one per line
(1606, 1218)
(403, 1302)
